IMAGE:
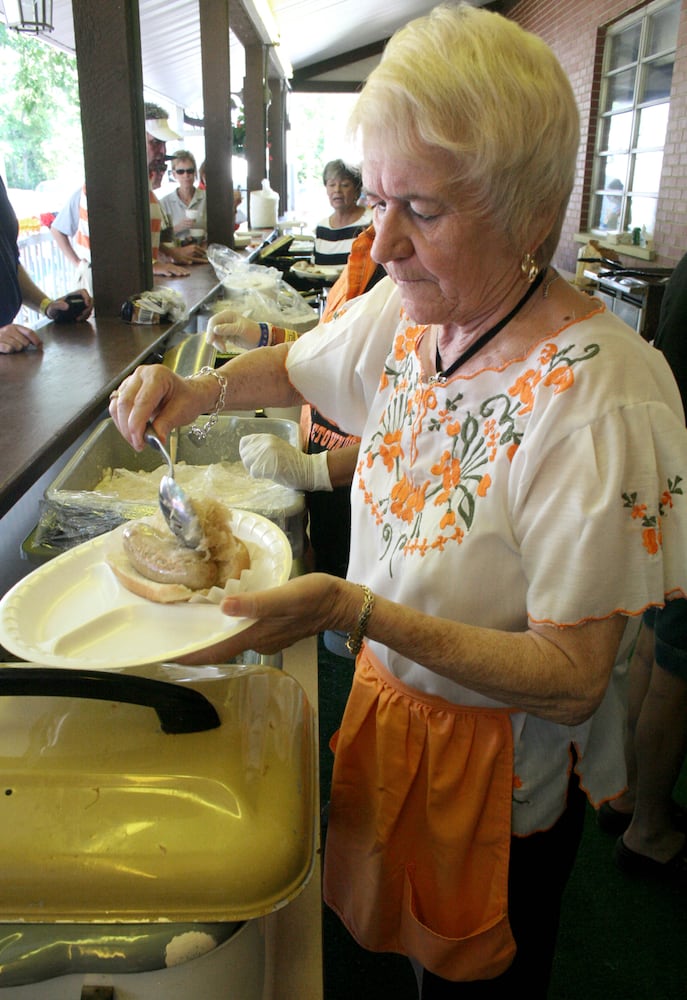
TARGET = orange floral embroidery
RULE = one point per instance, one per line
(390, 449)
(651, 540)
(472, 437)
(547, 352)
(448, 518)
(524, 387)
(449, 470)
(407, 500)
(560, 378)
(652, 533)
(404, 342)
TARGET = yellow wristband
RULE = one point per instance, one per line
(44, 305)
(290, 336)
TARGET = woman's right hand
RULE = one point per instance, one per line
(228, 327)
(154, 393)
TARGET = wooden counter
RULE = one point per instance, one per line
(50, 396)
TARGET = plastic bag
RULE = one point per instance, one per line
(259, 292)
(156, 306)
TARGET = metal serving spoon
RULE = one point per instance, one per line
(175, 505)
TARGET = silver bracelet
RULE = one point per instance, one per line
(198, 434)
(355, 638)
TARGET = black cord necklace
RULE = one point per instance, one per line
(441, 376)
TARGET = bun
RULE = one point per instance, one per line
(161, 593)
(151, 562)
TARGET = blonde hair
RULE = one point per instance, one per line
(183, 155)
(476, 85)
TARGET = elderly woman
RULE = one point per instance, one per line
(334, 235)
(516, 504)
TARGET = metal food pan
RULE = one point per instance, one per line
(71, 492)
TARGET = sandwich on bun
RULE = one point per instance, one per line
(151, 562)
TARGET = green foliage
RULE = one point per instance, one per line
(40, 131)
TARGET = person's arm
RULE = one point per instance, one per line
(154, 392)
(31, 294)
(267, 456)
(228, 327)
(65, 245)
(558, 674)
(341, 463)
(33, 297)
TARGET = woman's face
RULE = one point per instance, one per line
(184, 173)
(450, 268)
(342, 193)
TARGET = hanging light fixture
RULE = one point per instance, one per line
(29, 15)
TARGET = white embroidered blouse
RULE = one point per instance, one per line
(547, 490)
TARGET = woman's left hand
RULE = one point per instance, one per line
(304, 606)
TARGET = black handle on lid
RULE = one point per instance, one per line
(180, 709)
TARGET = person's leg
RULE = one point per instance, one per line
(661, 741)
(660, 745)
(539, 869)
(638, 684)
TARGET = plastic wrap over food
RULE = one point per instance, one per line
(259, 292)
(127, 494)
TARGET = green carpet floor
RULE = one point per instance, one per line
(620, 939)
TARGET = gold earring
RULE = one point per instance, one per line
(528, 266)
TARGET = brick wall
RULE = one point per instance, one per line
(574, 30)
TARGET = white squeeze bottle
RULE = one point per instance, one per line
(264, 206)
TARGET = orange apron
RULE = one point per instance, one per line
(419, 829)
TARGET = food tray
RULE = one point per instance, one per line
(71, 492)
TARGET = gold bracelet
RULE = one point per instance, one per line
(43, 308)
(355, 638)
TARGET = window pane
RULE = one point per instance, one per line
(656, 79)
(653, 123)
(620, 92)
(599, 212)
(625, 47)
(642, 212)
(647, 172)
(613, 171)
(663, 29)
(616, 132)
(608, 208)
(606, 213)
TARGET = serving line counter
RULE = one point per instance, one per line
(49, 404)
(52, 397)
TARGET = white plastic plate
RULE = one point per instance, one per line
(73, 612)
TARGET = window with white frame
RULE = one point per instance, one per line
(639, 54)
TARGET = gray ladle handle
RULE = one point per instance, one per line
(180, 709)
(151, 438)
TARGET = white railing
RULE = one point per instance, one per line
(48, 268)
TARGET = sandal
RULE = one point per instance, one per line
(616, 823)
(673, 871)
